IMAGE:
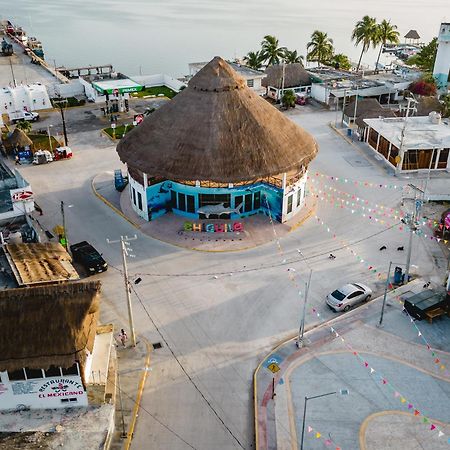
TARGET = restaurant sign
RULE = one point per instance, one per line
(234, 227)
(61, 387)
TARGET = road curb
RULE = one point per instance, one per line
(313, 328)
(108, 203)
(137, 402)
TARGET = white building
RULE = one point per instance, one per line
(252, 77)
(412, 143)
(32, 97)
(53, 355)
(441, 71)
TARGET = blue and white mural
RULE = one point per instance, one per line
(231, 203)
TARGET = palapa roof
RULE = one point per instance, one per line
(40, 263)
(217, 129)
(412, 34)
(48, 325)
(294, 75)
(427, 105)
(367, 108)
(19, 139)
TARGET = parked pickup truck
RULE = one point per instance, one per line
(86, 255)
(17, 116)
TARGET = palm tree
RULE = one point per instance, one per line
(320, 48)
(253, 60)
(292, 57)
(386, 33)
(25, 126)
(271, 53)
(340, 61)
(365, 32)
(288, 99)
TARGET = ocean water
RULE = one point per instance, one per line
(164, 36)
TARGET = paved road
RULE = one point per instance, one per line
(219, 328)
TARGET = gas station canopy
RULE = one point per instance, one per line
(121, 86)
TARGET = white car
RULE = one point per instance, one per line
(347, 296)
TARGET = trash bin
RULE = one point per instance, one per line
(398, 275)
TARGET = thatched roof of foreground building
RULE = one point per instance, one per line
(48, 325)
(217, 129)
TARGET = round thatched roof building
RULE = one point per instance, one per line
(217, 133)
(217, 129)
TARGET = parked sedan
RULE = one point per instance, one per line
(347, 296)
(86, 255)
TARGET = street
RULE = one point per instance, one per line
(220, 313)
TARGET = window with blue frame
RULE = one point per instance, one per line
(173, 198)
(190, 203)
(257, 200)
(248, 202)
(181, 201)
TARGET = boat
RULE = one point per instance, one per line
(29, 44)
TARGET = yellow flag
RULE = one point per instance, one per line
(318, 435)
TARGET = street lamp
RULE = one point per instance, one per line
(49, 137)
(66, 240)
(380, 323)
(301, 329)
(340, 392)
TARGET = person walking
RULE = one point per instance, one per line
(123, 337)
(18, 163)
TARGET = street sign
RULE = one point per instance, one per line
(22, 196)
(274, 368)
(113, 125)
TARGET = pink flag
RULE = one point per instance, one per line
(397, 395)
(309, 429)
(432, 427)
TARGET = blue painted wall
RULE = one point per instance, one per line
(159, 198)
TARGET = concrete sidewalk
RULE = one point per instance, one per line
(359, 357)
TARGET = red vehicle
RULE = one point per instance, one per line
(62, 153)
(300, 100)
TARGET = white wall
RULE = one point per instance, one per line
(297, 190)
(42, 393)
(72, 89)
(319, 92)
(138, 188)
(158, 80)
(20, 208)
(33, 97)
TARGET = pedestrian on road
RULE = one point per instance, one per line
(18, 163)
(123, 337)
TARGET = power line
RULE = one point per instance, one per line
(270, 266)
(211, 407)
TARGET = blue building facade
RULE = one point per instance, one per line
(195, 201)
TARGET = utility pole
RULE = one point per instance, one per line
(282, 80)
(380, 323)
(301, 330)
(124, 242)
(412, 219)
(12, 72)
(59, 105)
(66, 241)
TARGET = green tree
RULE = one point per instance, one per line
(320, 48)
(292, 57)
(340, 61)
(424, 60)
(387, 33)
(288, 99)
(253, 60)
(365, 33)
(25, 126)
(271, 52)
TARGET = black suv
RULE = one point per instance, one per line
(88, 257)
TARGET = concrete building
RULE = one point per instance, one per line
(336, 87)
(217, 151)
(252, 77)
(441, 71)
(32, 97)
(411, 143)
(16, 197)
(53, 355)
(283, 77)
